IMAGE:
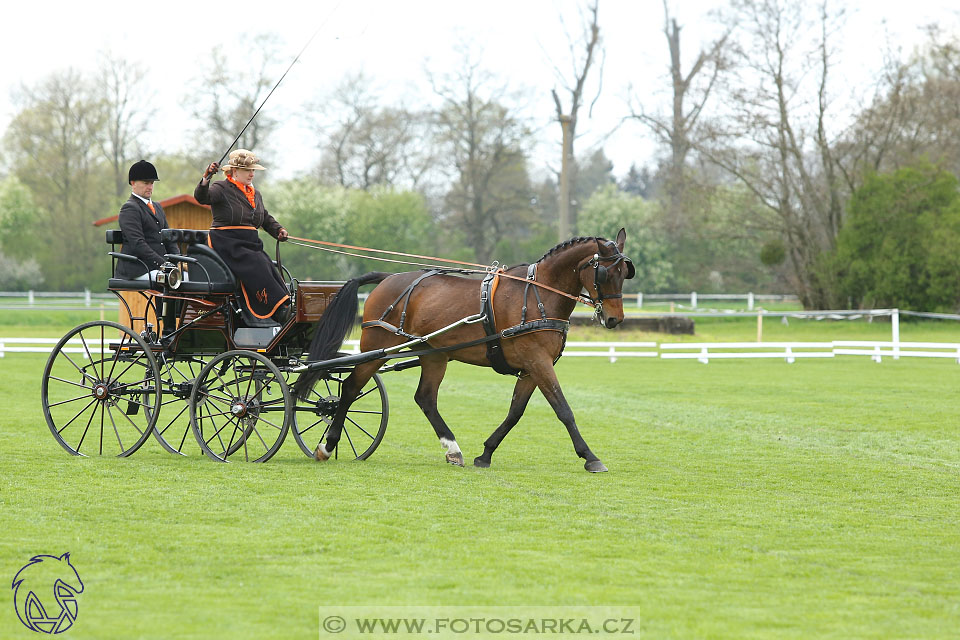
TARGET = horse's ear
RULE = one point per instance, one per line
(621, 238)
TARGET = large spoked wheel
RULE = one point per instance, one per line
(177, 375)
(363, 428)
(240, 407)
(99, 389)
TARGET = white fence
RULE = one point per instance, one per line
(701, 351)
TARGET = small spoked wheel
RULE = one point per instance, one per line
(363, 427)
(172, 430)
(240, 407)
(99, 390)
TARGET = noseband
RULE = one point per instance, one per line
(601, 273)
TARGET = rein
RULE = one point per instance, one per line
(483, 269)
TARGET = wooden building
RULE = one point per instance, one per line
(182, 212)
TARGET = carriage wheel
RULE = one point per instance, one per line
(99, 388)
(240, 407)
(365, 423)
(177, 375)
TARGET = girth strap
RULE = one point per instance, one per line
(494, 346)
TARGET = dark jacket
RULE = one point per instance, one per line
(232, 209)
(141, 237)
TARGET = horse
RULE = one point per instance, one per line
(418, 303)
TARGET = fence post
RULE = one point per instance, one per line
(760, 325)
(2, 354)
(895, 328)
(750, 301)
(693, 299)
(86, 297)
(640, 301)
(30, 297)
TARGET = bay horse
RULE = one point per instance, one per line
(418, 303)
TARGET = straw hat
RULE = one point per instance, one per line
(242, 159)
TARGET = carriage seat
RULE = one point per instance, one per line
(211, 274)
(221, 277)
(114, 238)
(216, 279)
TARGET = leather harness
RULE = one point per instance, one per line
(493, 337)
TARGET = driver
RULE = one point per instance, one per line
(238, 212)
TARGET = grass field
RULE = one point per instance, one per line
(745, 499)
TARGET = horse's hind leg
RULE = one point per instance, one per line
(348, 393)
(432, 369)
(521, 396)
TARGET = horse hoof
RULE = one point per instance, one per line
(594, 466)
(480, 462)
(455, 459)
(319, 455)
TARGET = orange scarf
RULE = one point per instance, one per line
(248, 191)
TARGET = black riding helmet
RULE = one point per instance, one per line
(142, 170)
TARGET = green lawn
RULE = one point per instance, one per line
(744, 499)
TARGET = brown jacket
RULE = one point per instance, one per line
(232, 209)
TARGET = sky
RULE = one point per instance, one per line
(522, 41)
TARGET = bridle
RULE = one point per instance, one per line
(601, 273)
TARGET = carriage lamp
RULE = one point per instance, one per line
(170, 275)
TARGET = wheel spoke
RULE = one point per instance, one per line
(78, 368)
(60, 430)
(56, 404)
(354, 423)
(170, 424)
(115, 430)
(70, 382)
(132, 423)
(366, 393)
(350, 441)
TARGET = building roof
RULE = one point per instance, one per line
(168, 202)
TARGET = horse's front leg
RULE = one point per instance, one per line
(521, 395)
(432, 369)
(546, 379)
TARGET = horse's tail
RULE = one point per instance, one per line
(337, 320)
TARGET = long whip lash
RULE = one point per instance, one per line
(322, 25)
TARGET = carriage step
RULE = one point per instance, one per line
(252, 337)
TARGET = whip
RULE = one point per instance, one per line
(323, 24)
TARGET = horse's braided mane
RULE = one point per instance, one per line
(567, 243)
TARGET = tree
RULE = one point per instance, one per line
(19, 216)
(898, 247)
(691, 89)
(53, 141)
(366, 145)
(609, 209)
(914, 112)
(223, 100)
(486, 143)
(592, 173)
(127, 104)
(638, 182)
(310, 210)
(778, 147)
(568, 120)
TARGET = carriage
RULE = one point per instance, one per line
(214, 370)
(239, 383)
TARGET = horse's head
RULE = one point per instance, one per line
(603, 275)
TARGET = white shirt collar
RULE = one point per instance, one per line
(145, 201)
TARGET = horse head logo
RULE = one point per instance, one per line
(45, 593)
